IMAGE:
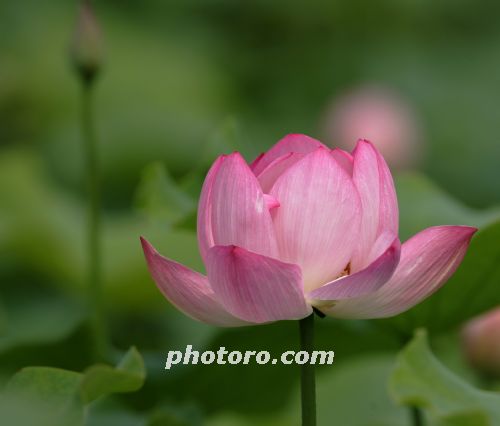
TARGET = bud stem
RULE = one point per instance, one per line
(416, 415)
(93, 218)
(307, 377)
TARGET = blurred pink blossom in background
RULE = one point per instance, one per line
(481, 342)
(379, 115)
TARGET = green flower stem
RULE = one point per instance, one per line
(417, 417)
(307, 378)
(93, 217)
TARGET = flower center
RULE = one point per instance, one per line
(346, 271)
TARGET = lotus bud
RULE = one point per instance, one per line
(379, 115)
(481, 342)
(86, 47)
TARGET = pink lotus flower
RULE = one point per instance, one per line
(304, 226)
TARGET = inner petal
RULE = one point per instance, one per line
(318, 219)
(271, 173)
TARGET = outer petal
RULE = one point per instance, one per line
(360, 283)
(428, 259)
(254, 287)
(317, 222)
(378, 198)
(187, 290)
(204, 222)
(239, 213)
(290, 143)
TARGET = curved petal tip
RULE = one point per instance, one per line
(187, 290)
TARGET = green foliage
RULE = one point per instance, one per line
(159, 197)
(226, 138)
(52, 391)
(44, 232)
(175, 416)
(59, 397)
(174, 70)
(351, 394)
(34, 319)
(419, 379)
(127, 376)
(361, 394)
(423, 204)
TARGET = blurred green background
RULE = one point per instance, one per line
(184, 81)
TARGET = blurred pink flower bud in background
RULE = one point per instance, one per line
(305, 226)
(481, 342)
(379, 115)
(86, 50)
